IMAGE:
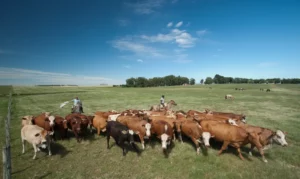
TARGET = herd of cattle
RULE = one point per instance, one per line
(165, 124)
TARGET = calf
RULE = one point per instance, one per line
(163, 131)
(230, 135)
(229, 96)
(121, 134)
(36, 136)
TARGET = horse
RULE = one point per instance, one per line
(229, 96)
(77, 108)
(167, 107)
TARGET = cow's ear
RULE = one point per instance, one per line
(51, 133)
(37, 134)
(143, 125)
(124, 131)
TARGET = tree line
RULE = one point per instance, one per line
(219, 79)
(169, 80)
(172, 80)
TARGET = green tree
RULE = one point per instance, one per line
(192, 81)
(201, 81)
(208, 80)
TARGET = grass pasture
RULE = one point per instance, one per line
(91, 159)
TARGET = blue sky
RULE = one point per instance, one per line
(93, 42)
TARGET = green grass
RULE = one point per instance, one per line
(91, 159)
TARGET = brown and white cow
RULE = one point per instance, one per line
(163, 131)
(36, 136)
(230, 135)
(140, 126)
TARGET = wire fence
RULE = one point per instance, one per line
(6, 155)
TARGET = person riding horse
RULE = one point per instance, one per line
(78, 103)
(162, 101)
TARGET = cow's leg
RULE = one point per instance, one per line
(107, 138)
(76, 135)
(180, 137)
(142, 141)
(251, 149)
(49, 146)
(262, 154)
(35, 150)
(224, 147)
(174, 136)
(98, 131)
(240, 154)
(23, 146)
(197, 145)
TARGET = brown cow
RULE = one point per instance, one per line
(61, 126)
(163, 131)
(75, 124)
(86, 121)
(266, 136)
(140, 126)
(190, 128)
(241, 117)
(170, 121)
(45, 121)
(230, 135)
(100, 121)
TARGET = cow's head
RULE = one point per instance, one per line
(165, 140)
(65, 124)
(173, 102)
(280, 138)
(42, 138)
(148, 129)
(76, 124)
(232, 122)
(51, 120)
(205, 137)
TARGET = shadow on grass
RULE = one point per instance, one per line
(58, 149)
(190, 142)
(22, 170)
(44, 176)
(128, 147)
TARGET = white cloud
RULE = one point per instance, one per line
(20, 76)
(179, 24)
(127, 66)
(202, 32)
(139, 60)
(135, 47)
(181, 37)
(170, 24)
(145, 6)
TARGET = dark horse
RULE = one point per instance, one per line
(77, 108)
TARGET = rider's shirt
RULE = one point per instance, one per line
(76, 101)
(162, 100)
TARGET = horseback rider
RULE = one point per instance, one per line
(77, 101)
(162, 101)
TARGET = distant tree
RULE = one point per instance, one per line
(208, 80)
(201, 81)
(192, 81)
(130, 82)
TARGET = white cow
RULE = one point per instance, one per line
(36, 136)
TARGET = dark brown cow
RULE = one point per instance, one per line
(230, 135)
(75, 124)
(61, 127)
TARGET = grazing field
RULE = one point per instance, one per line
(90, 158)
